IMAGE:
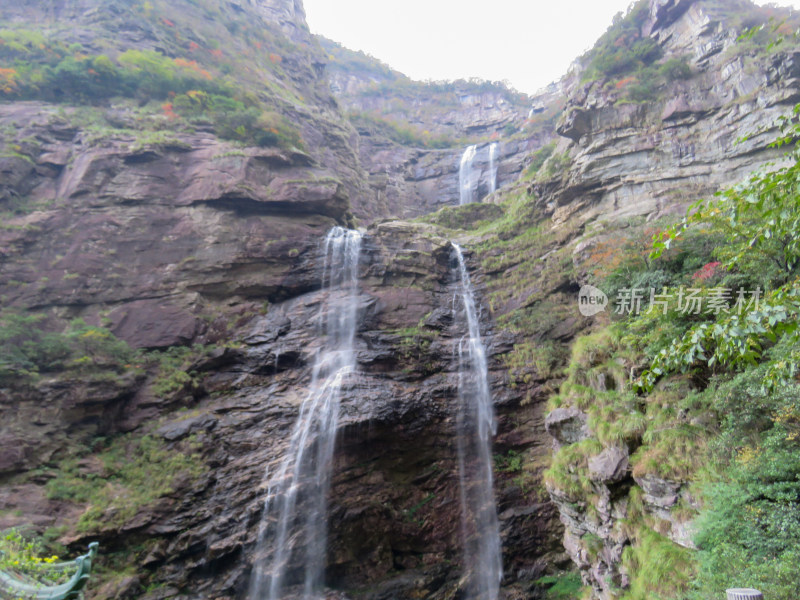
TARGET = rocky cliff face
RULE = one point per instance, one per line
(174, 239)
(412, 135)
(394, 509)
(178, 240)
(648, 159)
(623, 161)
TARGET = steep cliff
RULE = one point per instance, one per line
(643, 139)
(168, 171)
(164, 196)
(412, 135)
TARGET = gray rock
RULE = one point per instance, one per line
(658, 492)
(567, 425)
(610, 466)
(180, 429)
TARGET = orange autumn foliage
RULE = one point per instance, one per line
(275, 58)
(610, 254)
(192, 66)
(168, 111)
(624, 81)
(8, 80)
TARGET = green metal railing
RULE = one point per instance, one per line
(14, 586)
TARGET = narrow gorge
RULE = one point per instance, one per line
(279, 322)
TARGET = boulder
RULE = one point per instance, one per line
(610, 466)
(567, 425)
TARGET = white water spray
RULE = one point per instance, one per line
(493, 148)
(294, 524)
(465, 176)
(476, 426)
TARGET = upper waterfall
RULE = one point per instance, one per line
(493, 150)
(465, 176)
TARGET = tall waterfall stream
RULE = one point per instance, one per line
(292, 540)
(294, 524)
(475, 427)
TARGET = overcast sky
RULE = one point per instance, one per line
(527, 42)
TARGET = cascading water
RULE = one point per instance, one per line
(476, 426)
(493, 148)
(465, 175)
(294, 524)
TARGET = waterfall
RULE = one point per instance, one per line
(294, 523)
(465, 175)
(476, 426)
(493, 148)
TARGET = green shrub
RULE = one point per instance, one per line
(234, 121)
(749, 536)
(28, 347)
(538, 158)
(173, 373)
(675, 68)
(50, 71)
(511, 462)
(564, 586)
(658, 567)
(27, 555)
(621, 49)
(555, 165)
(135, 473)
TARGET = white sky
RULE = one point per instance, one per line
(527, 42)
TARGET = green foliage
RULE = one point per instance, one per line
(564, 586)
(356, 62)
(50, 71)
(466, 217)
(511, 462)
(234, 121)
(403, 133)
(750, 534)
(26, 555)
(555, 165)
(414, 345)
(529, 360)
(569, 473)
(47, 70)
(765, 31)
(630, 62)
(25, 348)
(173, 369)
(659, 567)
(759, 220)
(538, 159)
(732, 423)
(134, 473)
(674, 69)
(150, 74)
(622, 49)
(29, 347)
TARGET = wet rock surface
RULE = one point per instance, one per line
(197, 241)
(394, 508)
